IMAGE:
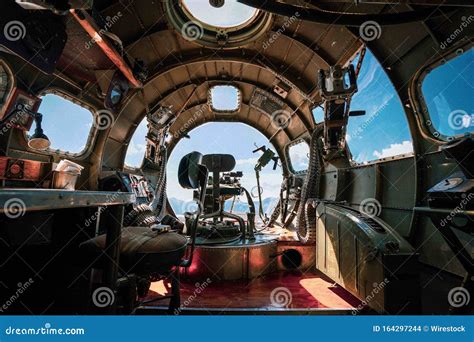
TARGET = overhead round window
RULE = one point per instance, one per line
(230, 14)
(228, 24)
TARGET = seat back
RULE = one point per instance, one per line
(189, 170)
(219, 162)
(192, 174)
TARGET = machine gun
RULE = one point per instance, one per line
(267, 156)
(337, 86)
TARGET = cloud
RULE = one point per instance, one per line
(299, 156)
(135, 149)
(248, 161)
(394, 150)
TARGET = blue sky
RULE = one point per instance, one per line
(231, 14)
(450, 89)
(66, 124)
(232, 138)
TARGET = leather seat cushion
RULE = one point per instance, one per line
(144, 249)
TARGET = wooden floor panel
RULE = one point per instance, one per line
(279, 290)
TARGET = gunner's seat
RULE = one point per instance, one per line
(152, 254)
(156, 251)
(217, 225)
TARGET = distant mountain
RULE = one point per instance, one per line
(180, 206)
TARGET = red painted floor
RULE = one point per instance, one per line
(279, 290)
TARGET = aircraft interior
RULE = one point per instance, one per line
(84, 233)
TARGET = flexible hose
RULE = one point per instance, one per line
(306, 227)
(335, 18)
(160, 198)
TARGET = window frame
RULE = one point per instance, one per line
(92, 133)
(238, 36)
(420, 102)
(403, 112)
(9, 93)
(220, 111)
(289, 163)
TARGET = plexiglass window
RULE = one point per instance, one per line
(383, 131)
(225, 98)
(137, 146)
(448, 92)
(230, 14)
(67, 124)
(299, 156)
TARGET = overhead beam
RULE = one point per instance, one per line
(89, 25)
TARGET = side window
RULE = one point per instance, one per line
(448, 96)
(383, 131)
(299, 156)
(67, 124)
(137, 146)
(318, 114)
